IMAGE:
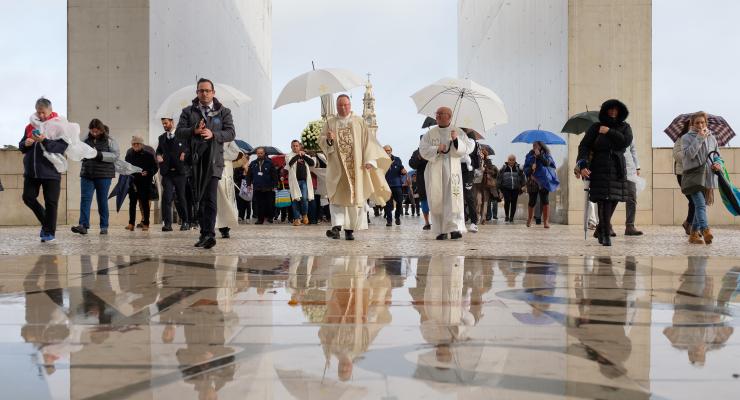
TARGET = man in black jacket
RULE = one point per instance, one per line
(172, 156)
(141, 190)
(207, 124)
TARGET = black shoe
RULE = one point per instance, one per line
(455, 235)
(600, 236)
(139, 225)
(611, 231)
(388, 223)
(166, 228)
(185, 227)
(426, 227)
(606, 241)
(209, 242)
(333, 233)
(442, 236)
(260, 222)
(201, 241)
(349, 235)
(398, 221)
(538, 221)
(225, 232)
(79, 229)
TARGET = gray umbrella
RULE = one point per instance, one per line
(579, 123)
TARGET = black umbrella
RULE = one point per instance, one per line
(121, 190)
(429, 121)
(269, 151)
(202, 162)
(244, 146)
(487, 148)
(580, 123)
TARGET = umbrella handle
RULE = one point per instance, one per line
(449, 147)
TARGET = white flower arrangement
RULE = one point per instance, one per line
(310, 135)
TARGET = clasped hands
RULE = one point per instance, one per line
(204, 132)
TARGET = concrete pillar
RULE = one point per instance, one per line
(609, 56)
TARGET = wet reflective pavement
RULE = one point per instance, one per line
(354, 327)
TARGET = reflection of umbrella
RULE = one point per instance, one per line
(244, 146)
(587, 192)
(304, 386)
(580, 123)
(121, 190)
(730, 194)
(537, 135)
(487, 148)
(473, 106)
(719, 127)
(317, 83)
(428, 121)
(531, 319)
(473, 134)
(181, 98)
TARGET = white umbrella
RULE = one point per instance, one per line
(181, 98)
(473, 106)
(318, 83)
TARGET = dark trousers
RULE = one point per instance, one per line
(471, 211)
(631, 203)
(314, 209)
(190, 201)
(396, 197)
(208, 208)
(141, 193)
(243, 207)
(544, 196)
(690, 215)
(174, 185)
(264, 202)
(46, 214)
(605, 210)
(492, 209)
(510, 199)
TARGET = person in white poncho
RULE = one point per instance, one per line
(444, 146)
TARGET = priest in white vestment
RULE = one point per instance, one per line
(226, 213)
(355, 171)
(444, 146)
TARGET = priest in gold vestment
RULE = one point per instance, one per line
(355, 171)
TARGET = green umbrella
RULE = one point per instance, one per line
(580, 123)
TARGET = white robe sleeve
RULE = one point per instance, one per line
(427, 149)
(464, 145)
(323, 145)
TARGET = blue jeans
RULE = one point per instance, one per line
(100, 186)
(700, 211)
(424, 206)
(300, 207)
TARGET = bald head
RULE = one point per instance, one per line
(444, 116)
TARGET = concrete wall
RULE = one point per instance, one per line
(14, 211)
(227, 41)
(609, 56)
(107, 78)
(519, 49)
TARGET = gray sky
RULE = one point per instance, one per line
(404, 44)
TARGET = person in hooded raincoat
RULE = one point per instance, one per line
(601, 159)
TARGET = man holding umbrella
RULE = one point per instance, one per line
(208, 125)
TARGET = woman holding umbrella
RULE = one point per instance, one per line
(601, 159)
(536, 163)
(698, 180)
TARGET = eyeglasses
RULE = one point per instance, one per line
(204, 90)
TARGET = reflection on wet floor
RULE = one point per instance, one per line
(358, 327)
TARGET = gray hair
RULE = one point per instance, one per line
(44, 103)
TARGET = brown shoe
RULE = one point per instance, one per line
(305, 220)
(145, 228)
(694, 238)
(686, 227)
(130, 227)
(296, 222)
(630, 230)
(708, 237)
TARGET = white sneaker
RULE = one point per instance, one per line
(473, 228)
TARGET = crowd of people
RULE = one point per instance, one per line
(451, 182)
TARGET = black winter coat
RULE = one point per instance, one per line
(603, 154)
(35, 165)
(418, 163)
(101, 166)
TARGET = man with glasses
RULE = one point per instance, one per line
(208, 125)
(444, 146)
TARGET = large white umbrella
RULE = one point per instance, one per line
(473, 106)
(174, 103)
(318, 83)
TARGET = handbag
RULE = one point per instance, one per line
(154, 192)
(246, 192)
(282, 198)
(694, 180)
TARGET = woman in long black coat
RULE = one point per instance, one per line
(601, 159)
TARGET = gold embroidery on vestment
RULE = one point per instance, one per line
(345, 142)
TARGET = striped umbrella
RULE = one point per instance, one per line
(719, 127)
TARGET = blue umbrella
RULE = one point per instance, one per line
(537, 135)
(121, 190)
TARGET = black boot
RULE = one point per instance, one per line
(334, 232)
(455, 235)
(225, 232)
(606, 237)
(442, 236)
(201, 241)
(349, 235)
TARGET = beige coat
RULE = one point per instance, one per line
(348, 183)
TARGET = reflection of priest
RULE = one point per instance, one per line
(443, 148)
(355, 171)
